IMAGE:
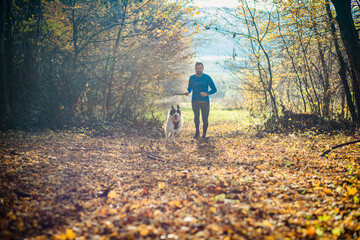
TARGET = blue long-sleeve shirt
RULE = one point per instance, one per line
(201, 84)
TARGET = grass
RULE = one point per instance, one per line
(218, 114)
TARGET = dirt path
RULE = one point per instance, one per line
(67, 185)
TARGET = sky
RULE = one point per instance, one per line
(213, 48)
(216, 3)
(212, 44)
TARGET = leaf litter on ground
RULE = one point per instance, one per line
(70, 185)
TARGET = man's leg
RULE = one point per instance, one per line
(205, 109)
(196, 109)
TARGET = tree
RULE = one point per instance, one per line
(295, 53)
(68, 61)
(351, 41)
(5, 107)
(248, 26)
(342, 63)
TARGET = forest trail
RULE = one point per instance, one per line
(73, 185)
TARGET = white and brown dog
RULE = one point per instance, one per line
(174, 123)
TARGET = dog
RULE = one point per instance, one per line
(174, 123)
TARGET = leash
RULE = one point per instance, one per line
(179, 94)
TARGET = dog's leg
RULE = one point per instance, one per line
(173, 136)
(166, 135)
(166, 132)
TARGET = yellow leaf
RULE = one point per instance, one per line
(144, 232)
(176, 203)
(212, 209)
(214, 227)
(112, 211)
(21, 226)
(60, 237)
(11, 216)
(269, 238)
(70, 234)
(328, 191)
(266, 223)
(88, 224)
(112, 194)
(35, 224)
(161, 185)
(41, 237)
(351, 191)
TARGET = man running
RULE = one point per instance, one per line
(199, 84)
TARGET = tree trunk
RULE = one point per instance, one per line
(108, 80)
(5, 106)
(324, 78)
(268, 84)
(356, 88)
(342, 63)
(350, 39)
(323, 73)
(312, 97)
(297, 79)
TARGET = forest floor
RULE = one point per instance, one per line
(75, 185)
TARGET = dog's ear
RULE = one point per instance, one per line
(172, 106)
(178, 107)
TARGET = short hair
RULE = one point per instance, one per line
(199, 63)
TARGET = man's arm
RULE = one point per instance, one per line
(189, 89)
(212, 86)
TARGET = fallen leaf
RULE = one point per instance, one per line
(161, 185)
(337, 231)
(310, 231)
(328, 191)
(70, 234)
(144, 232)
(266, 223)
(176, 203)
(145, 190)
(351, 191)
(112, 194)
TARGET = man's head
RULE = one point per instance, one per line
(199, 68)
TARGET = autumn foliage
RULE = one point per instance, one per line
(72, 185)
(295, 55)
(89, 68)
(80, 61)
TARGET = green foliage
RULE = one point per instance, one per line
(356, 200)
